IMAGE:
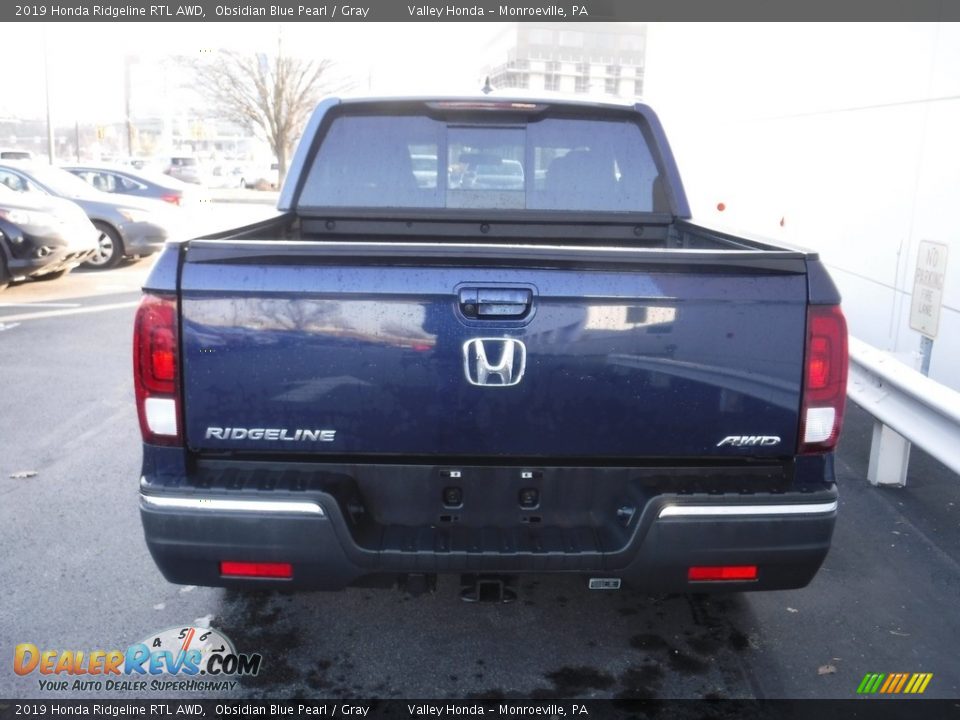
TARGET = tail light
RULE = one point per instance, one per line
(824, 380)
(171, 198)
(156, 375)
(256, 570)
(721, 573)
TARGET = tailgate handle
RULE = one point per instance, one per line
(495, 302)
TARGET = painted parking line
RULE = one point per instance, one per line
(70, 311)
(40, 305)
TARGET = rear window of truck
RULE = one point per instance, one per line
(551, 163)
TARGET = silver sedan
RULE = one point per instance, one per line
(127, 226)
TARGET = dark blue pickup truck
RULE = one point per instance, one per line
(484, 338)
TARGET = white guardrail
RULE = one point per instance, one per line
(908, 408)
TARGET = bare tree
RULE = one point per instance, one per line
(269, 95)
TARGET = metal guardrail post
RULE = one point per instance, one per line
(907, 408)
(889, 457)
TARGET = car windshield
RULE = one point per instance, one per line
(60, 182)
(541, 163)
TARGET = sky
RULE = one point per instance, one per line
(86, 59)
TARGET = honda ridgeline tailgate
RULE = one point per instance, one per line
(414, 350)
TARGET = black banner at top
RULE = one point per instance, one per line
(479, 10)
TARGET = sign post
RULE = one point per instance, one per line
(928, 296)
(890, 451)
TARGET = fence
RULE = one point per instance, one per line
(907, 408)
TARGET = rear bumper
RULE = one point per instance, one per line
(54, 260)
(143, 238)
(33, 254)
(191, 530)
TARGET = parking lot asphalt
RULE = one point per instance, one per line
(76, 573)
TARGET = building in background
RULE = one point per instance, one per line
(157, 113)
(588, 58)
(164, 114)
(851, 150)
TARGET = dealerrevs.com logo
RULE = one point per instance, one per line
(176, 659)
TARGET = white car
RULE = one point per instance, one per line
(41, 237)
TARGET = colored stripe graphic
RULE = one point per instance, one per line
(891, 681)
(870, 683)
(894, 683)
(918, 683)
(903, 680)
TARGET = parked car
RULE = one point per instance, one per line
(13, 154)
(138, 183)
(259, 175)
(185, 168)
(228, 175)
(137, 163)
(41, 237)
(128, 226)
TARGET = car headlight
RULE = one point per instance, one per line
(132, 215)
(22, 217)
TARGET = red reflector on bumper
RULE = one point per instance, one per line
(247, 569)
(722, 572)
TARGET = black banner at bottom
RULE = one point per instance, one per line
(860, 709)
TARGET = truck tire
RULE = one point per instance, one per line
(110, 250)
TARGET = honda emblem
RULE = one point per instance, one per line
(494, 362)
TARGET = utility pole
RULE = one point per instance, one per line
(46, 83)
(128, 60)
